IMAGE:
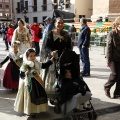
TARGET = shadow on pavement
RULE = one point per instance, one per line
(100, 69)
(7, 98)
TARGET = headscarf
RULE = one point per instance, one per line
(26, 61)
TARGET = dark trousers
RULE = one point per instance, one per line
(37, 47)
(84, 56)
(6, 44)
(114, 78)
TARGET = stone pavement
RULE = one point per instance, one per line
(108, 109)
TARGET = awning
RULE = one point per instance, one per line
(94, 26)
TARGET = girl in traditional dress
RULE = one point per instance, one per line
(21, 34)
(57, 40)
(31, 97)
(11, 74)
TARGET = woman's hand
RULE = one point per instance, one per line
(52, 59)
(31, 45)
(27, 72)
(55, 54)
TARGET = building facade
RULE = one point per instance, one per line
(37, 10)
(106, 8)
(6, 11)
(33, 11)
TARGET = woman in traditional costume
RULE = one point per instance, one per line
(57, 41)
(21, 34)
(31, 97)
(11, 74)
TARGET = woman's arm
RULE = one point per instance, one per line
(5, 60)
(47, 64)
(109, 47)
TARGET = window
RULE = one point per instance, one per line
(44, 7)
(6, 6)
(26, 5)
(35, 6)
(0, 5)
(1, 14)
(35, 20)
(55, 1)
(18, 7)
(44, 18)
(27, 20)
(18, 19)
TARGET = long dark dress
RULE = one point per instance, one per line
(11, 74)
(52, 43)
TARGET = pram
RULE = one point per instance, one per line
(70, 60)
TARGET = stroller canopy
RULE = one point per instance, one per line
(71, 57)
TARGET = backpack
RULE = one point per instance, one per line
(39, 35)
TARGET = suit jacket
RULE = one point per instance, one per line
(84, 37)
(113, 47)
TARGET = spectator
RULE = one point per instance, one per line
(48, 27)
(83, 44)
(35, 28)
(72, 31)
(4, 32)
(113, 60)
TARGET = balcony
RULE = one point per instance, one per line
(17, 10)
(34, 8)
(44, 7)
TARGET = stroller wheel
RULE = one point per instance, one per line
(95, 115)
(33, 116)
(90, 116)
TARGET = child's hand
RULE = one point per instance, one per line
(27, 72)
(55, 54)
(52, 59)
(0, 65)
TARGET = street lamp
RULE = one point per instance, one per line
(25, 12)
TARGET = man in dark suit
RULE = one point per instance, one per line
(83, 45)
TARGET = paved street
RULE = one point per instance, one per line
(108, 109)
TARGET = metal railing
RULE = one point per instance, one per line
(96, 40)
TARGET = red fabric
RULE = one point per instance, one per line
(10, 34)
(7, 79)
(35, 29)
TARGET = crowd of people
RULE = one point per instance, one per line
(35, 79)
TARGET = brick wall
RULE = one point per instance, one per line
(114, 6)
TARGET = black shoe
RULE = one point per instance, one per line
(107, 93)
(116, 97)
(85, 75)
(6, 49)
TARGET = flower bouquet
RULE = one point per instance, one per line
(29, 65)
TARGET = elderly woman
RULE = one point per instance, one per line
(113, 60)
(58, 40)
(21, 34)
